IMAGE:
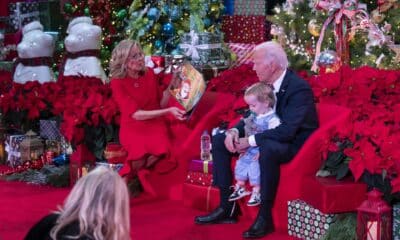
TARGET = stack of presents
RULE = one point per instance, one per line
(244, 25)
(14, 14)
(20, 152)
(32, 150)
(197, 189)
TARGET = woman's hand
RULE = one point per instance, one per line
(177, 113)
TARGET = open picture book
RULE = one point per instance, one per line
(187, 86)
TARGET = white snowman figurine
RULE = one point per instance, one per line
(35, 55)
(83, 49)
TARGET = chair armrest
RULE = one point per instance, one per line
(309, 159)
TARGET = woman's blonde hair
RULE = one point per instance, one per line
(119, 58)
(99, 201)
(263, 92)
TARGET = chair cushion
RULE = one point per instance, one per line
(332, 196)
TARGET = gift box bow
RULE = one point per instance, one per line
(191, 49)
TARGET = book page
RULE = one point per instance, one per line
(187, 86)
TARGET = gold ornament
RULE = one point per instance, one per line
(377, 17)
(396, 48)
(314, 27)
(156, 29)
(214, 10)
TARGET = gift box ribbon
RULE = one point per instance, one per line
(191, 50)
(338, 12)
(205, 166)
(208, 198)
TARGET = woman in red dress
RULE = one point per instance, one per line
(142, 103)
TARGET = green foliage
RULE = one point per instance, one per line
(294, 18)
(159, 25)
(337, 162)
(110, 15)
(343, 228)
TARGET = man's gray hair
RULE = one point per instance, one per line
(273, 51)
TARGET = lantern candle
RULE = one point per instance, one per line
(372, 230)
(374, 218)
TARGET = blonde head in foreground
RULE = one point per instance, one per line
(99, 201)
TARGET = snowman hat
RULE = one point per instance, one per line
(35, 25)
(77, 20)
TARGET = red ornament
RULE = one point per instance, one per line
(28, 164)
(49, 157)
(374, 218)
(107, 40)
(20, 169)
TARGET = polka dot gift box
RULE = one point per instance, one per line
(396, 221)
(307, 222)
(244, 29)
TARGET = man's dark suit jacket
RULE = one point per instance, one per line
(296, 108)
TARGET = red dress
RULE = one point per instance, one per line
(140, 137)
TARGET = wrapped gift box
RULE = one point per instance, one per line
(396, 221)
(6, 66)
(197, 165)
(242, 51)
(250, 7)
(307, 222)
(22, 13)
(115, 153)
(11, 41)
(13, 150)
(244, 29)
(205, 198)
(331, 196)
(199, 178)
(229, 7)
(49, 129)
(204, 48)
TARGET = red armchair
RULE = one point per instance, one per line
(295, 176)
(298, 176)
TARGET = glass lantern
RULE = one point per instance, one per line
(81, 162)
(374, 218)
(32, 147)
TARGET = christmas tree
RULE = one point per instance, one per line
(110, 15)
(158, 25)
(369, 30)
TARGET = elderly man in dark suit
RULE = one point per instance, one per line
(296, 108)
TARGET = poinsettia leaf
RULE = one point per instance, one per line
(334, 160)
(342, 171)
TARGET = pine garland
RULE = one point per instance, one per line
(343, 228)
(48, 175)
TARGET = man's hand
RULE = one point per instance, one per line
(232, 138)
(242, 144)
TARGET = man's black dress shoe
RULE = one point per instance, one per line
(219, 215)
(259, 229)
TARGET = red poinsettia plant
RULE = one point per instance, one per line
(82, 103)
(373, 95)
